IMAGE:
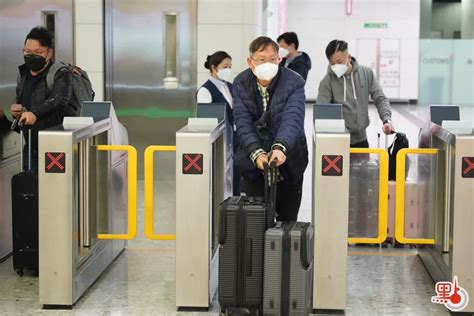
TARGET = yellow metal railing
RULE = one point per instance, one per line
(400, 196)
(132, 191)
(383, 196)
(149, 172)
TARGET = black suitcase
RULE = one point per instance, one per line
(288, 269)
(25, 216)
(243, 222)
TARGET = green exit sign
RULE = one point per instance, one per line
(375, 25)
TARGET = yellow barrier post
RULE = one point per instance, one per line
(400, 196)
(132, 191)
(383, 196)
(149, 173)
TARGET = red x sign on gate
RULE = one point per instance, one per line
(468, 167)
(192, 164)
(55, 162)
(332, 165)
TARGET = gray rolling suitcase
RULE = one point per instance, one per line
(243, 222)
(288, 271)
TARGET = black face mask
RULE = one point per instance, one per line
(34, 62)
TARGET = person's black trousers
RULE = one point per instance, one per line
(34, 159)
(362, 144)
(360, 157)
(288, 196)
(236, 179)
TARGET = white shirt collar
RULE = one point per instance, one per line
(223, 88)
(217, 82)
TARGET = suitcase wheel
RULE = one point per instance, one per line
(19, 272)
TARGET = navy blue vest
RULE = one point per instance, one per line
(218, 97)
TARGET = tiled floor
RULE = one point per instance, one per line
(385, 281)
(381, 281)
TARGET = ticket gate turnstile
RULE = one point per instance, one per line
(203, 159)
(331, 158)
(452, 212)
(81, 194)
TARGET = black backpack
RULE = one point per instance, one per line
(400, 142)
(81, 87)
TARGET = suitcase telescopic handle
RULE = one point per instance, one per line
(22, 167)
(270, 192)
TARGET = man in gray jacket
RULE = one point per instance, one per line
(351, 84)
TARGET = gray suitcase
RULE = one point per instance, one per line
(243, 223)
(288, 270)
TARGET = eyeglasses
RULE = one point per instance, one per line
(259, 61)
(33, 52)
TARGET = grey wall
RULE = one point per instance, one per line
(467, 31)
(425, 18)
(446, 18)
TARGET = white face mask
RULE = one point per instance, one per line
(224, 74)
(339, 69)
(283, 52)
(266, 71)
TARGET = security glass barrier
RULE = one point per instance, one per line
(420, 197)
(413, 214)
(368, 191)
(149, 192)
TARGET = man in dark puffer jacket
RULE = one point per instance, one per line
(292, 58)
(269, 114)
